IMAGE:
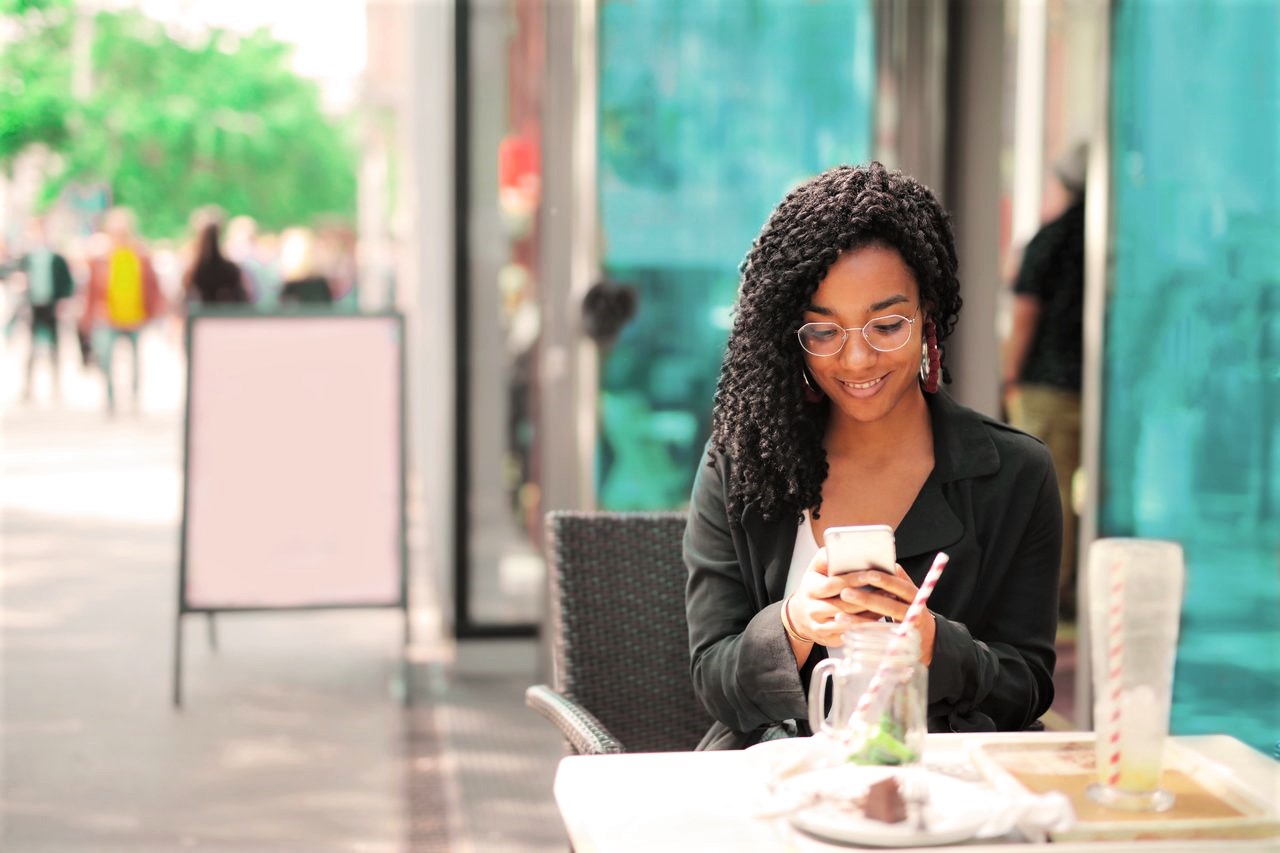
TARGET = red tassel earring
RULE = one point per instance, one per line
(930, 359)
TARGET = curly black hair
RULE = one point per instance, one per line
(761, 419)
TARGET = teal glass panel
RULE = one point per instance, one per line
(709, 111)
(1192, 369)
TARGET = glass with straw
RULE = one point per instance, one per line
(881, 667)
(1135, 600)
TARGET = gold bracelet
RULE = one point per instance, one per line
(786, 623)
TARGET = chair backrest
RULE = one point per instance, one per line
(620, 635)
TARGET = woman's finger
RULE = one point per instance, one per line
(832, 633)
(898, 586)
(817, 585)
(863, 596)
(818, 619)
(838, 606)
(826, 588)
(851, 605)
(873, 600)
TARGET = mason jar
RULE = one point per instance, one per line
(879, 696)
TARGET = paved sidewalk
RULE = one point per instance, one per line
(293, 736)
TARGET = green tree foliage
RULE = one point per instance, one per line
(176, 123)
(35, 75)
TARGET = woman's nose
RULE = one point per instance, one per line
(857, 351)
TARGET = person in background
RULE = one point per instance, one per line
(49, 284)
(304, 281)
(122, 295)
(94, 245)
(336, 259)
(261, 278)
(829, 412)
(1043, 355)
(212, 279)
(171, 268)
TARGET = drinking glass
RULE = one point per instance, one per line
(891, 729)
(1135, 600)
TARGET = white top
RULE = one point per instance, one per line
(802, 554)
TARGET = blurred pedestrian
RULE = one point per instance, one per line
(48, 285)
(336, 259)
(9, 307)
(304, 281)
(1044, 352)
(122, 296)
(262, 279)
(212, 279)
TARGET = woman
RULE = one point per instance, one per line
(212, 279)
(828, 413)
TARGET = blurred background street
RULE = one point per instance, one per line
(293, 736)
(540, 208)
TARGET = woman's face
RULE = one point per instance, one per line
(865, 284)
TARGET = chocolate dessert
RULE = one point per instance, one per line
(884, 802)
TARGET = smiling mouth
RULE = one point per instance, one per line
(862, 386)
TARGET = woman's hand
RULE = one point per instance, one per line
(884, 594)
(818, 610)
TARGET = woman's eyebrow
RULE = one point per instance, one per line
(886, 303)
(878, 306)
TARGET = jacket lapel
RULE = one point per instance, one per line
(930, 525)
(770, 544)
(961, 449)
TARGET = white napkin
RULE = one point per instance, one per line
(1033, 815)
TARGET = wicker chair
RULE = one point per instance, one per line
(620, 637)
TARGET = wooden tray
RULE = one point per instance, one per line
(1210, 801)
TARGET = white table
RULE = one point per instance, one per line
(705, 801)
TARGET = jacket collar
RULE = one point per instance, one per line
(962, 447)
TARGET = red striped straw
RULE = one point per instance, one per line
(1115, 669)
(900, 635)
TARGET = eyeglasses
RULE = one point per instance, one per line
(883, 334)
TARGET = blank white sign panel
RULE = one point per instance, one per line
(293, 462)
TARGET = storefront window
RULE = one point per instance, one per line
(709, 113)
(503, 567)
(1192, 408)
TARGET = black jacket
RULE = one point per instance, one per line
(991, 502)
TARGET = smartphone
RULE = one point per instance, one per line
(863, 546)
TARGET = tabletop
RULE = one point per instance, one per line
(710, 801)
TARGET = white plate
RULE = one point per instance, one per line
(955, 811)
